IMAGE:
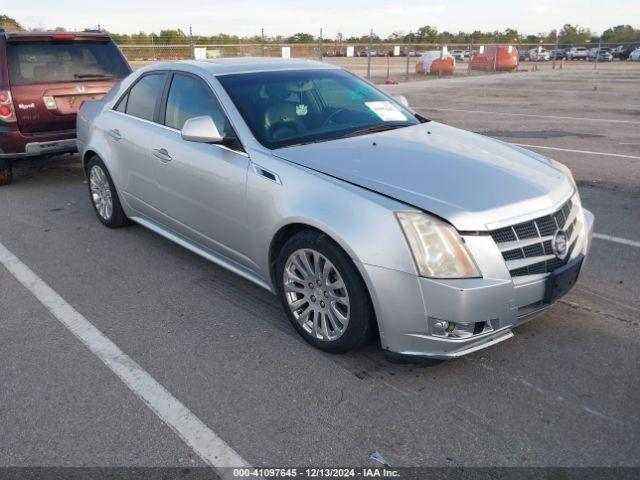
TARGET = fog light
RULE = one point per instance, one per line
(440, 327)
(447, 329)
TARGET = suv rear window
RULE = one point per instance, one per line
(50, 62)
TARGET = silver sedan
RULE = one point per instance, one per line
(364, 217)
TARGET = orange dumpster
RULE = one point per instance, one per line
(495, 58)
(446, 66)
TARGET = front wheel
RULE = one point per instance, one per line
(323, 294)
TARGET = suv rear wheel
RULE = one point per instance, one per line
(6, 175)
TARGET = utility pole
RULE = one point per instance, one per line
(262, 44)
(406, 73)
(369, 55)
(595, 63)
(555, 51)
(193, 51)
(320, 45)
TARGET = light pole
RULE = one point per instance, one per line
(555, 51)
(369, 55)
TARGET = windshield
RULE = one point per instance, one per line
(286, 108)
(50, 62)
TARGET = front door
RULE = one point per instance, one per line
(201, 187)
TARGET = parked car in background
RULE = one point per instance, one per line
(634, 56)
(559, 54)
(44, 78)
(457, 54)
(602, 55)
(539, 54)
(257, 165)
(577, 53)
(523, 55)
(618, 50)
(467, 53)
(626, 53)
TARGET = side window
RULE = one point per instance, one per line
(190, 97)
(144, 95)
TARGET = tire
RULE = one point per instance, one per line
(102, 192)
(6, 176)
(323, 324)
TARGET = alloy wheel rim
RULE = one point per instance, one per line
(101, 192)
(316, 294)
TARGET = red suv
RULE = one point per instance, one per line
(44, 78)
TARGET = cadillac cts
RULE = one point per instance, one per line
(364, 217)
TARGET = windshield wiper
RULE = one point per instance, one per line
(362, 131)
(91, 75)
(375, 129)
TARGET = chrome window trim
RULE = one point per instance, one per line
(245, 154)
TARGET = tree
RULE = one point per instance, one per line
(10, 24)
(301, 38)
(621, 34)
(427, 34)
(574, 34)
(172, 36)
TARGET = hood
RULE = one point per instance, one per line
(470, 180)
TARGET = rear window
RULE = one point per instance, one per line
(50, 62)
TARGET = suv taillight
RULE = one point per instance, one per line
(7, 113)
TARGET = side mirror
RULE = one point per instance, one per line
(201, 129)
(402, 100)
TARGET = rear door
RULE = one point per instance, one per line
(129, 129)
(50, 76)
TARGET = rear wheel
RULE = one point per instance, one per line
(323, 294)
(104, 197)
(6, 175)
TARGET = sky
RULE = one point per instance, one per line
(350, 17)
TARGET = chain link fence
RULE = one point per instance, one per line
(385, 62)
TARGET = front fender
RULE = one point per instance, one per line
(360, 221)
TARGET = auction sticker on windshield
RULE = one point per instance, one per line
(387, 111)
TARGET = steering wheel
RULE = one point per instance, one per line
(282, 129)
(333, 114)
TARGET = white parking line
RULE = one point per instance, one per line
(586, 152)
(584, 119)
(200, 438)
(623, 241)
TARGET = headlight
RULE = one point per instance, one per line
(438, 250)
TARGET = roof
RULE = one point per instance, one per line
(224, 66)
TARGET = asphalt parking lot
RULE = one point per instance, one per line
(563, 392)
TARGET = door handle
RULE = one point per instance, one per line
(162, 154)
(115, 134)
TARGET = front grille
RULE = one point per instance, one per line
(518, 242)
